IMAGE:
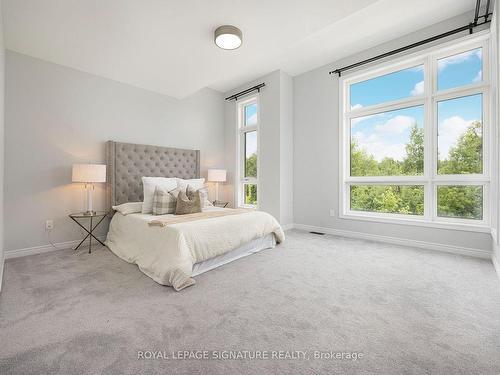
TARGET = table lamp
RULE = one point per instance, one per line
(89, 174)
(217, 175)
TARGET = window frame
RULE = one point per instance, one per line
(242, 129)
(430, 179)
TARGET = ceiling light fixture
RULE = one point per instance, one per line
(228, 37)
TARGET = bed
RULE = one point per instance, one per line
(172, 249)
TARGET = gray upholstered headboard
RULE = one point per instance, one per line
(127, 163)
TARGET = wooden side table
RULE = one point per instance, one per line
(100, 215)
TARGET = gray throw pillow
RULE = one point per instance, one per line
(186, 205)
(163, 202)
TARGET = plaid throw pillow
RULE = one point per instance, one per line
(163, 202)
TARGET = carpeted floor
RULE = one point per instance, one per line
(408, 311)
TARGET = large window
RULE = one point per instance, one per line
(415, 139)
(248, 155)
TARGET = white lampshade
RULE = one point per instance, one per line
(217, 175)
(89, 173)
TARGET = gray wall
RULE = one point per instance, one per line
(316, 159)
(286, 149)
(2, 146)
(57, 116)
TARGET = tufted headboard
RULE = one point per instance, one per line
(127, 163)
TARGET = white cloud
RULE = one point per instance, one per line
(478, 77)
(418, 89)
(374, 145)
(377, 141)
(457, 59)
(449, 132)
(356, 106)
(395, 125)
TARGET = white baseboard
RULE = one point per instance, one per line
(287, 226)
(496, 264)
(9, 254)
(485, 254)
(494, 257)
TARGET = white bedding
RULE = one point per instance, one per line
(167, 254)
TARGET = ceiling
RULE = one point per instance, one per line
(166, 46)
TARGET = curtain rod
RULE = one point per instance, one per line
(469, 27)
(253, 88)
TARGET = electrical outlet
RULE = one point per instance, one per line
(49, 225)
(332, 212)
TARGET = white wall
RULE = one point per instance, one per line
(2, 146)
(316, 157)
(57, 116)
(275, 191)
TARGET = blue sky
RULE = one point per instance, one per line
(251, 137)
(385, 134)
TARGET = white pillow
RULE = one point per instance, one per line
(128, 208)
(150, 184)
(196, 183)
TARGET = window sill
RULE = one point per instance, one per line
(480, 227)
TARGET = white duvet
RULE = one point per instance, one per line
(167, 254)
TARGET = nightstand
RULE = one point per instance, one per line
(220, 204)
(99, 215)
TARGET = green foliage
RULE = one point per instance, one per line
(251, 171)
(464, 202)
(251, 166)
(466, 156)
(400, 199)
(251, 194)
(453, 201)
(363, 164)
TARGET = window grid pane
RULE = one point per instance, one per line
(388, 143)
(250, 194)
(394, 199)
(461, 69)
(393, 86)
(460, 201)
(251, 154)
(250, 115)
(460, 135)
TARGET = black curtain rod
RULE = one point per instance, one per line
(469, 27)
(253, 88)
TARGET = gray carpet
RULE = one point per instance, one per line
(408, 311)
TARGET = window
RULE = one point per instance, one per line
(415, 139)
(248, 124)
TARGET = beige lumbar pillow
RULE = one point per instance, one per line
(164, 202)
(186, 205)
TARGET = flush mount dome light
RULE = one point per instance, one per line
(228, 37)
